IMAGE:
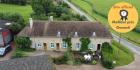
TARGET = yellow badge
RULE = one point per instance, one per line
(123, 17)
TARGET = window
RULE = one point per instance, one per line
(90, 46)
(64, 45)
(52, 45)
(78, 46)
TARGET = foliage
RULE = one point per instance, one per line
(106, 59)
(59, 60)
(59, 10)
(66, 17)
(42, 7)
(107, 64)
(68, 41)
(18, 53)
(94, 62)
(15, 27)
(80, 18)
(16, 19)
(38, 7)
(84, 44)
(23, 42)
(18, 2)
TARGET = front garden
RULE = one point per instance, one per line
(110, 55)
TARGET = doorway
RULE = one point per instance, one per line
(98, 47)
(45, 46)
(57, 46)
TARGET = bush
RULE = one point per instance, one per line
(59, 60)
(23, 42)
(18, 53)
(106, 52)
(70, 62)
(107, 64)
(78, 61)
(65, 17)
(17, 19)
(94, 62)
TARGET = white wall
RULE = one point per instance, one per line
(48, 40)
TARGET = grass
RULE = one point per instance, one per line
(121, 54)
(24, 11)
(19, 53)
(101, 8)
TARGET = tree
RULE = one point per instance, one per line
(84, 44)
(23, 42)
(15, 28)
(59, 10)
(38, 7)
(49, 6)
(42, 7)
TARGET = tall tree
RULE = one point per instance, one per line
(38, 7)
(42, 7)
(59, 10)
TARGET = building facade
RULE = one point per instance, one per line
(49, 35)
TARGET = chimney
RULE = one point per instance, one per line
(75, 34)
(31, 23)
(51, 18)
(58, 34)
(94, 34)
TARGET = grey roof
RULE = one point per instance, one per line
(42, 62)
(66, 28)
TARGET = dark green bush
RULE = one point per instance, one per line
(106, 53)
(107, 63)
(59, 60)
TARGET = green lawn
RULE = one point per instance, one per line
(25, 11)
(121, 54)
(102, 7)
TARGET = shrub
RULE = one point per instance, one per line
(94, 62)
(65, 17)
(107, 64)
(70, 62)
(106, 53)
(23, 42)
(78, 61)
(15, 28)
(18, 53)
(17, 19)
(59, 60)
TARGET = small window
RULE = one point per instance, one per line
(52, 45)
(90, 46)
(64, 45)
(78, 46)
